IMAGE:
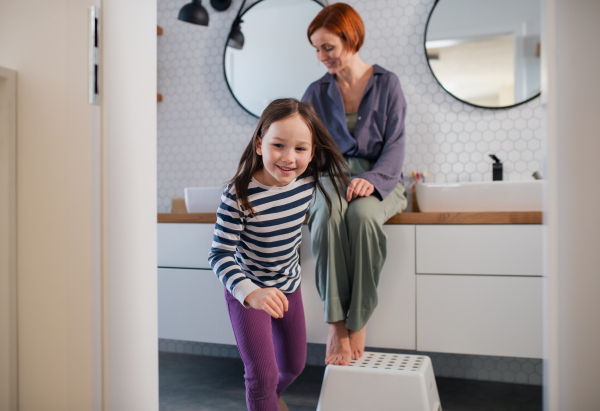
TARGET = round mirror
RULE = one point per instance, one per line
(276, 59)
(486, 52)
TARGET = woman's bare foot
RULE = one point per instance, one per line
(282, 406)
(338, 344)
(357, 342)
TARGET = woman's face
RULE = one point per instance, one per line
(331, 50)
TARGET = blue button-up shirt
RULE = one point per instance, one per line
(379, 132)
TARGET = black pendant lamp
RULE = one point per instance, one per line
(194, 13)
(236, 38)
(220, 5)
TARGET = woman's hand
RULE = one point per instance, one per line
(359, 187)
(270, 300)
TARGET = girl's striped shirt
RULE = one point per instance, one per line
(257, 252)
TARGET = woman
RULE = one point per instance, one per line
(363, 108)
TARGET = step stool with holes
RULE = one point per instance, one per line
(381, 382)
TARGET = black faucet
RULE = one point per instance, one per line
(496, 168)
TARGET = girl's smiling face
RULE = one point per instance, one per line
(331, 50)
(286, 150)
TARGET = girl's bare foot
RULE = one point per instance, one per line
(338, 344)
(282, 406)
(357, 342)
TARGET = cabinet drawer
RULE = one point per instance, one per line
(482, 315)
(392, 325)
(191, 307)
(479, 249)
(184, 245)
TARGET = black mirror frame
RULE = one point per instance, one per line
(240, 15)
(445, 89)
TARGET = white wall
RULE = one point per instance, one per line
(128, 205)
(572, 89)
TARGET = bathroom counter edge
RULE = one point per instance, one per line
(508, 217)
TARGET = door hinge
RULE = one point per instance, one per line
(94, 55)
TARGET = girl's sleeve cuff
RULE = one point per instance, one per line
(242, 289)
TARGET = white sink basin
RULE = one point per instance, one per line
(480, 196)
(202, 199)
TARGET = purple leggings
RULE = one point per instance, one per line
(273, 350)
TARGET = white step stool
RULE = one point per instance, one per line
(381, 382)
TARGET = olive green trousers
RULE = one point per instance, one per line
(349, 247)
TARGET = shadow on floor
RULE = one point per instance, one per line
(195, 382)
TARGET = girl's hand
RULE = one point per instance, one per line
(271, 300)
(359, 187)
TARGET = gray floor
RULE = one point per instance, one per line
(195, 382)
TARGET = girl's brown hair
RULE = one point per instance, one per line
(326, 159)
(343, 21)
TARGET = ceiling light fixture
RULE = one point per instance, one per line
(236, 37)
(194, 13)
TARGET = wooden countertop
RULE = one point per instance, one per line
(180, 215)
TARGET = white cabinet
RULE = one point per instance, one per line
(472, 289)
(191, 307)
(485, 315)
(393, 322)
(479, 289)
(184, 245)
(479, 249)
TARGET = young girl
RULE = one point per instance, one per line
(256, 239)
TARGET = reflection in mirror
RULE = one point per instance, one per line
(486, 52)
(276, 60)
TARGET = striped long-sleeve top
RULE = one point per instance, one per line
(262, 251)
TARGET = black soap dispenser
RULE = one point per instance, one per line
(496, 168)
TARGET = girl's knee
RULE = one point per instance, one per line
(292, 365)
(262, 382)
(298, 366)
(291, 372)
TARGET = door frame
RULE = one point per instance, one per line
(8, 240)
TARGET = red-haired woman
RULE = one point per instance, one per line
(363, 108)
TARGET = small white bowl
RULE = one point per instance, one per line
(202, 199)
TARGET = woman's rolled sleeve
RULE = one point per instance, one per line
(387, 171)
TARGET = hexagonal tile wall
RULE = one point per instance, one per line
(202, 130)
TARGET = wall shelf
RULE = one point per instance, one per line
(159, 32)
